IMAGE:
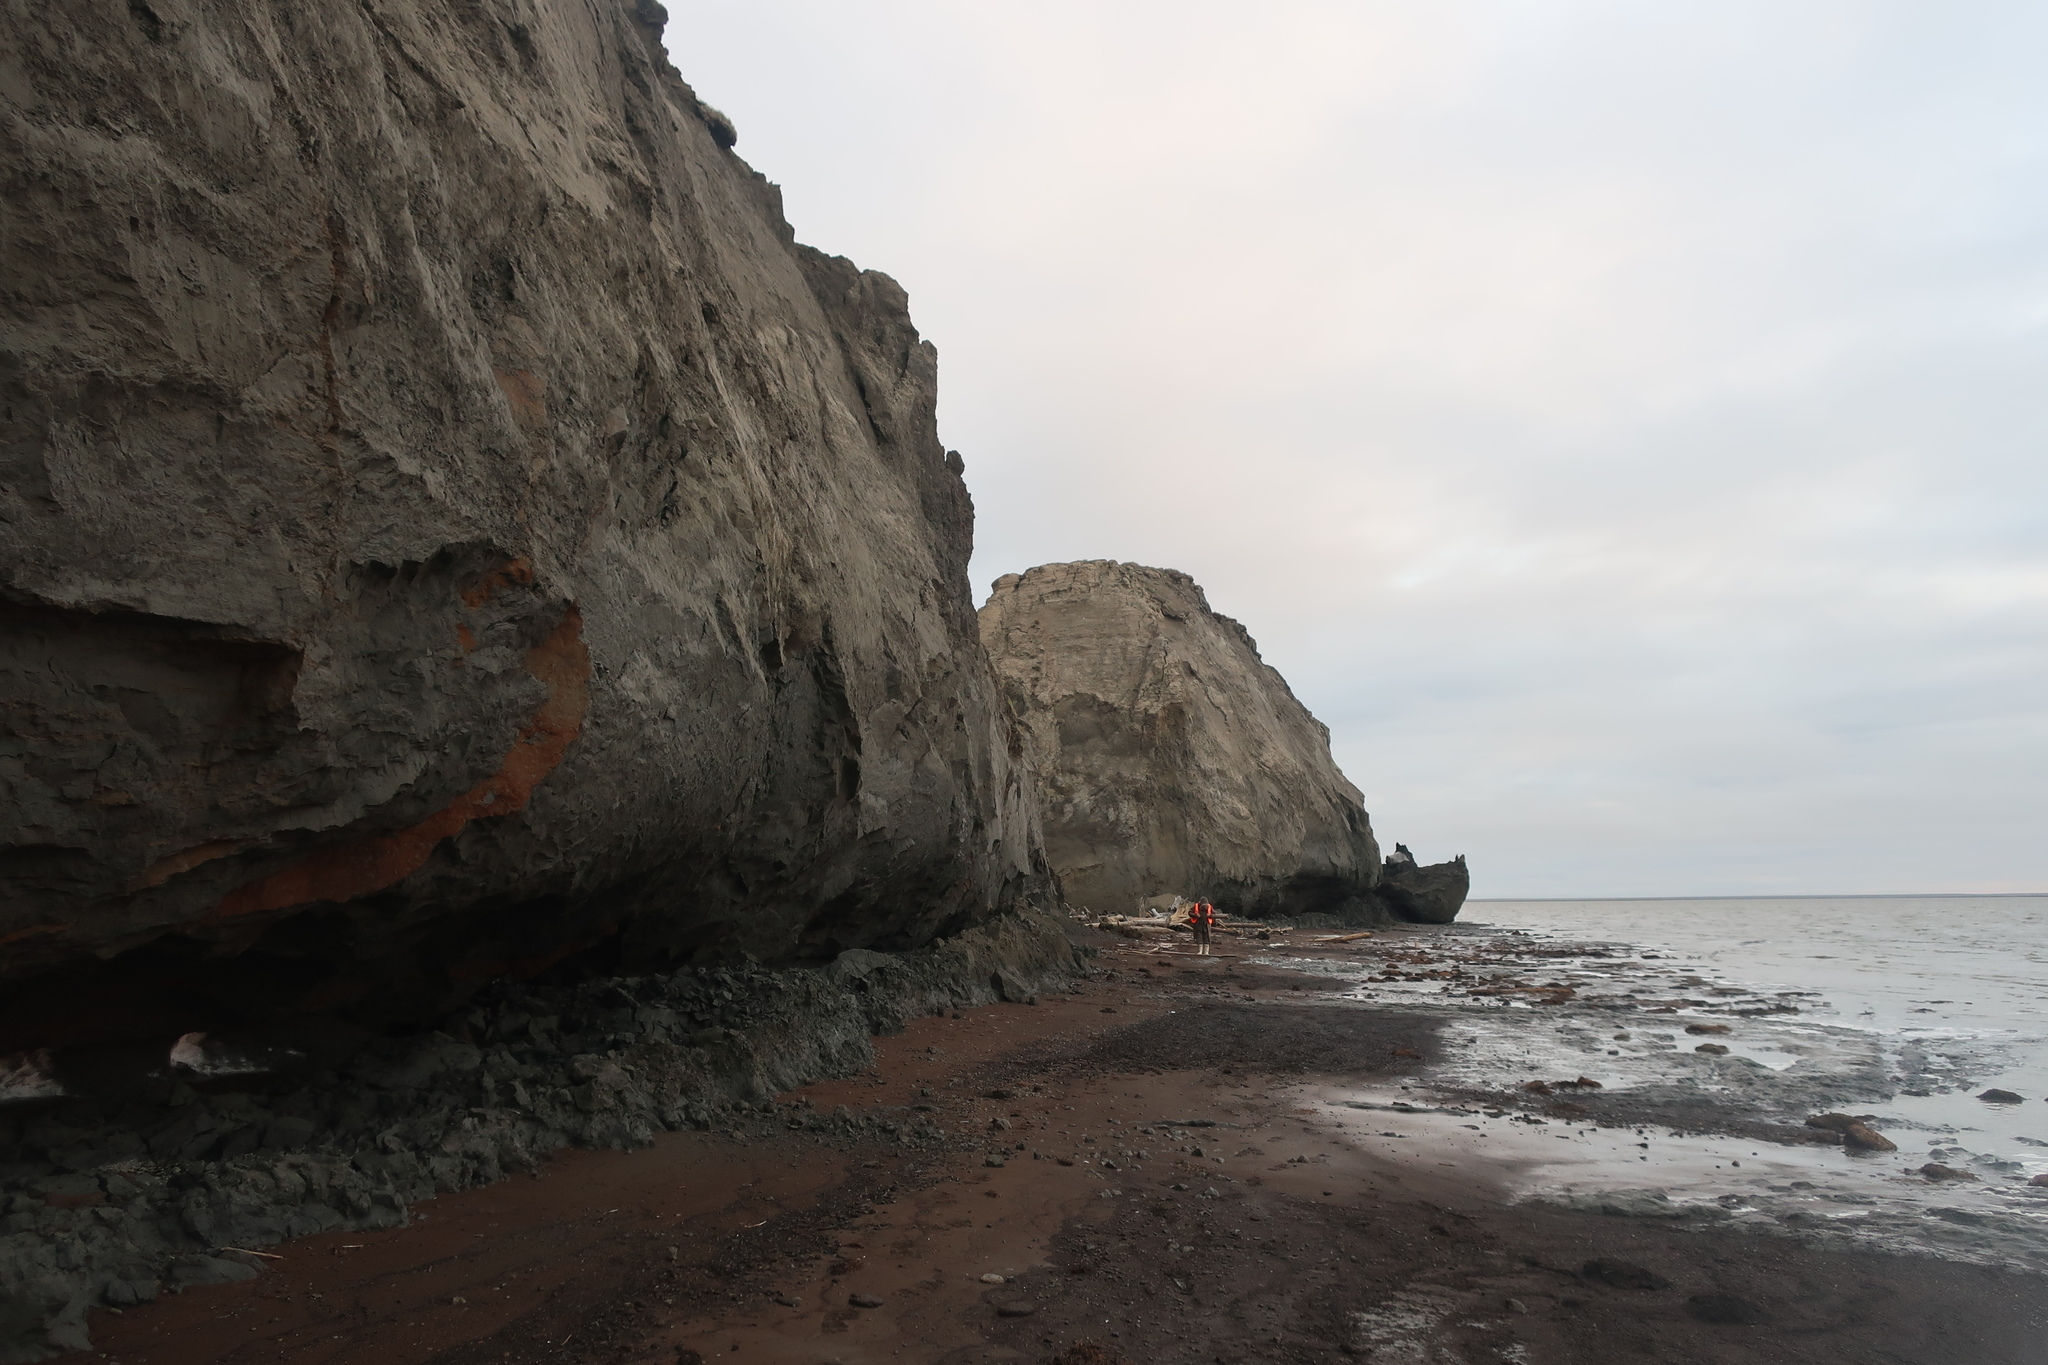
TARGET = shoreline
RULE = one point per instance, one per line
(1318, 1242)
(1799, 896)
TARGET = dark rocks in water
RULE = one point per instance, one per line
(1725, 1310)
(1172, 759)
(1995, 1096)
(1425, 895)
(1623, 1274)
(1934, 1170)
(1856, 1131)
(1713, 1049)
(433, 550)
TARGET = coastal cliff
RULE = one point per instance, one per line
(1172, 759)
(448, 527)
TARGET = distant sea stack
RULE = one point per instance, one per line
(1171, 758)
(449, 528)
(1427, 895)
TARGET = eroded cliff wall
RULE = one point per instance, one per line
(1173, 760)
(447, 525)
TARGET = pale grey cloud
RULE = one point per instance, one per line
(1623, 424)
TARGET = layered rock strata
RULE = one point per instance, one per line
(448, 527)
(1173, 760)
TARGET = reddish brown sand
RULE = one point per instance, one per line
(772, 1238)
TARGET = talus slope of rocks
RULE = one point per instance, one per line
(449, 527)
(1172, 759)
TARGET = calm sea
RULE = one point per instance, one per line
(1962, 969)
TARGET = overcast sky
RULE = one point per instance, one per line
(1625, 424)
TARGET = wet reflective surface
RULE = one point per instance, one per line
(1737, 1017)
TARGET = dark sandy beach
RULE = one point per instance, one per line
(1164, 1193)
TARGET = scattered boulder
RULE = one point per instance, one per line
(1934, 1170)
(864, 1300)
(1712, 1049)
(1996, 1096)
(1855, 1130)
(1708, 1028)
(1622, 1274)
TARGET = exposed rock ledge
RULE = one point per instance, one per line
(1172, 759)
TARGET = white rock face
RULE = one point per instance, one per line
(1172, 758)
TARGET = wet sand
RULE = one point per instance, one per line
(1174, 1185)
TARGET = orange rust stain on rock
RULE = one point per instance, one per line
(527, 393)
(35, 931)
(467, 636)
(163, 869)
(562, 663)
(513, 572)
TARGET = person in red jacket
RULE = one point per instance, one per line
(1201, 919)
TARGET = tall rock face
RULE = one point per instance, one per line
(1172, 759)
(448, 526)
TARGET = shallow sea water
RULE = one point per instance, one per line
(1901, 1007)
(1963, 977)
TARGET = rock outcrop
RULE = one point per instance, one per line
(1431, 894)
(448, 526)
(1172, 758)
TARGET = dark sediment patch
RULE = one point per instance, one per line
(1250, 1275)
(1273, 1039)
